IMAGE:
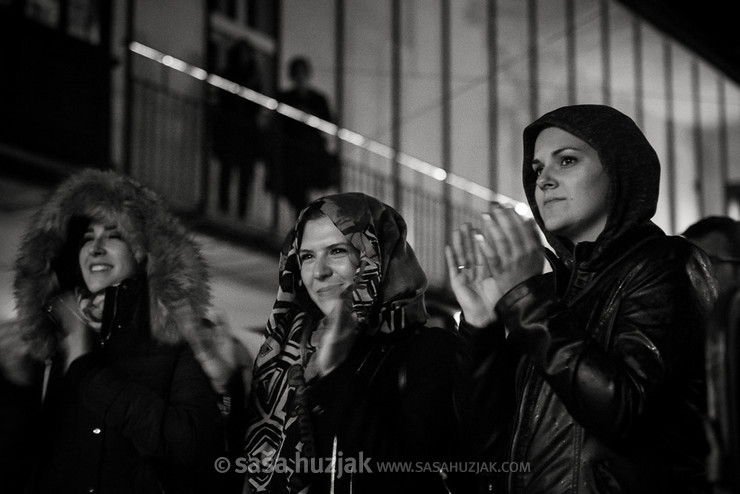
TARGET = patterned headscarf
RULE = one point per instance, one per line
(388, 294)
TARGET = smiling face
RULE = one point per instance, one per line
(328, 262)
(572, 186)
(105, 258)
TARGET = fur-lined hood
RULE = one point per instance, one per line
(175, 270)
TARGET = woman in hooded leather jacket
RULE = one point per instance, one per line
(109, 289)
(589, 377)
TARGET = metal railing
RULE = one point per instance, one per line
(167, 146)
(166, 142)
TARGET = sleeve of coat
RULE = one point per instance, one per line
(174, 429)
(656, 336)
(483, 395)
(416, 422)
(426, 384)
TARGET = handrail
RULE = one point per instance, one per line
(347, 135)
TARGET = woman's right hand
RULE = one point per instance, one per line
(483, 268)
(76, 335)
(337, 334)
(473, 284)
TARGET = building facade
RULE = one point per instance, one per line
(429, 97)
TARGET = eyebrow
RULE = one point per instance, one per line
(567, 148)
(107, 228)
(346, 243)
(557, 152)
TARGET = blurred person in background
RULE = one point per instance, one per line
(591, 374)
(303, 160)
(238, 139)
(719, 237)
(723, 383)
(349, 369)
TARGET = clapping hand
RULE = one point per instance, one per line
(77, 336)
(337, 336)
(337, 332)
(484, 266)
(16, 364)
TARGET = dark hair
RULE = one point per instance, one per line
(723, 225)
(298, 63)
(67, 265)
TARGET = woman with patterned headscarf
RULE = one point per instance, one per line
(348, 371)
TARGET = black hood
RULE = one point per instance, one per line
(628, 158)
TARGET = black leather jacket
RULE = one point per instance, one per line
(599, 385)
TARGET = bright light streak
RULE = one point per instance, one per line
(457, 316)
(351, 137)
(198, 73)
(327, 127)
(523, 210)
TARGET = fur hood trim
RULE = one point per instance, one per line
(176, 272)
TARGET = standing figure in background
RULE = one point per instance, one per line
(349, 369)
(591, 374)
(110, 288)
(719, 237)
(237, 135)
(302, 158)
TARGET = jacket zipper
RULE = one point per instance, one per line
(114, 292)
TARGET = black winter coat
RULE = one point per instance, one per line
(132, 416)
(388, 403)
(136, 414)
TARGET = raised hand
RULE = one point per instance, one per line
(77, 339)
(483, 266)
(471, 279)
(337, 334)
(517, 253)
(16, 365)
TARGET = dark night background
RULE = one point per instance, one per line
(709, 26)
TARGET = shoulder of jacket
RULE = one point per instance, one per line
(665, 248)
(431, 342)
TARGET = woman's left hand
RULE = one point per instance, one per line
(512, 247)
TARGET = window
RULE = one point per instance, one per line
(78, 19)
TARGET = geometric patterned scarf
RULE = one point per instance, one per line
(388, 294)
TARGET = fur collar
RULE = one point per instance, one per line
(175, 269)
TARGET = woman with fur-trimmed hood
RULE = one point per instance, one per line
(110, 291)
